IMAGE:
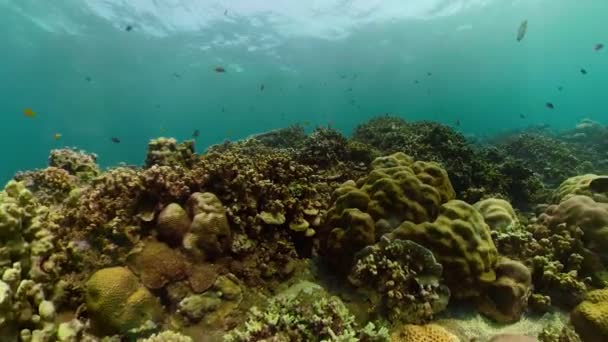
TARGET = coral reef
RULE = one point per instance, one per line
(405, 277)
(590, 318)
(422, 333)
(289, 137)
(157, 264)
(209, 233)
(167, 152)
(506, 299)
(309, 314)
(396, 190)
(498, 214)
(117, 302)
(324, 148)
(460, 240)
(78, 163)
(590, 185)
(585, 213)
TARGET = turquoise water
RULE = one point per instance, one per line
(306, 54)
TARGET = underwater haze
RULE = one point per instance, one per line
(93, 70)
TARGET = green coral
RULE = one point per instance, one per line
(588, 185)
(117, 302)
(590, 318)
(460, 240)
(397, 189)
(402, 280)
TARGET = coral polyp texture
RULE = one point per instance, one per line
(405, 232)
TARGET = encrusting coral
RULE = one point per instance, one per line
(402, 280)
(167, 152)
(460, 240)
(498, 214)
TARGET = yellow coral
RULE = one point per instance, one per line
(396, 190)
(582, 185)
(209, 231)
(497, 213)
(590, 318)
(173, 223)
(423, 333)
(461, 242)
(117, 302)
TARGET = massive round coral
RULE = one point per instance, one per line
(460, 240)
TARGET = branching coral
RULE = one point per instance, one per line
(324, 148)
(304, 317)
(402, 279)
(81, 164)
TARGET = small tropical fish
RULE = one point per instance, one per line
(350, 89)
(196, 133)
(88, 78)
(223, 110)
(598, 47)
(176, 75)
(306, 123)
(162, 129)
(560, 88)
(219, 69)
(583, 71)
(226, 12)
(262, 87)
(549, 105)
(115, 140)
(416, 82)
(429, 74)
(129, 28)
(457, 123)
(521, 32)
(522, 116)
(57, 136)
(29, 112)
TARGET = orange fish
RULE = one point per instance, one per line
(29, 112)
(57, 136)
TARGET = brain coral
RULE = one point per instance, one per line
(396, 190)
(589, 185)
(585, 213)
(405, 275)
(461, 242)
(423, 333)
(117, 302)
(497, 213)
(590, 318)
(157, 264)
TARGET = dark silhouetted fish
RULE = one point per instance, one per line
(226, 12)
(219, 69)
(416, 82)
(598, 47)
(522, 116)
(549, 105)
(521, 32)
(176, 75)
(429, 74)
(560, 88)
(128, 28)
(457, 123)
(196, 133)
(115, 140)
(88, 78)
(583, 71)
(262, 87)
